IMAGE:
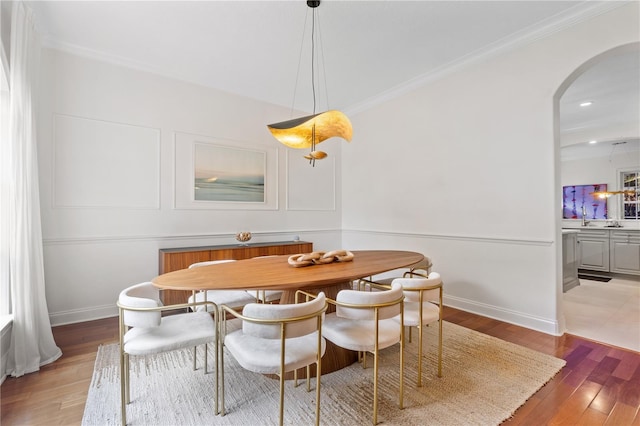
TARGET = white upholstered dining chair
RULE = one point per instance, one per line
(233, 298)
(422, 307)
(266, 296)
(364, 322)
(276, 339)
(421, 268)
(144, 331)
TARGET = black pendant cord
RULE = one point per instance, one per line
(313, 144)
(313, 56)
(313, 84)
(313, 4)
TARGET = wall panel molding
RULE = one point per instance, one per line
(102, 164)
(470, 238)
(229, 238)
(84, 275)
(503, 278)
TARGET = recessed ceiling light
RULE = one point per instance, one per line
(586, 103)
(593, 142)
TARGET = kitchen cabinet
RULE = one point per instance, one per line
(613, 250)
(593, 249)
(569, 260)
(624, 248)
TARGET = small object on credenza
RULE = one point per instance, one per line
(243, 238)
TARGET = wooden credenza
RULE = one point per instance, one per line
(172, 259)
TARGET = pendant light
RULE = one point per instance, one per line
(308, 131)
(607, 194)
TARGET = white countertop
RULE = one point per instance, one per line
(629, 225)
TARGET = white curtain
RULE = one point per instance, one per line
(32, 343)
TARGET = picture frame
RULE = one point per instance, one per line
(575, 197)
(222, 174)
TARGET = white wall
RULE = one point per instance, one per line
(108, 171)
(463, 169)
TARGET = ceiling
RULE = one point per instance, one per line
(368, 50)
(613, 87)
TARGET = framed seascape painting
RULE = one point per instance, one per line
(228, 174)
(221, 174)
(577, 197)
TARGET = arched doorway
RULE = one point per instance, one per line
(579, 137)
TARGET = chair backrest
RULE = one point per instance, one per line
(144, 295)
(210, 262)
(283, 312)
(422, 267)
(413, 286)
(368, 298)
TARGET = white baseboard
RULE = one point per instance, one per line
(543, 325)
(81, 315)
(6, 325)
(518, 318)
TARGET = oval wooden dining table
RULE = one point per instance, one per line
(275, 273)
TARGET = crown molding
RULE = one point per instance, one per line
(575, 15)
(52, 43)
(541, 30)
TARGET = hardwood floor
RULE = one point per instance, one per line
(600, 384)
(56, 394)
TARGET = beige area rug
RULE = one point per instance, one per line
(484, 382)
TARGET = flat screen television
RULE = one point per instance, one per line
(575, 197)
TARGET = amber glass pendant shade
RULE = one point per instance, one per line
(307, 132)
(607, 194)
(299, 133)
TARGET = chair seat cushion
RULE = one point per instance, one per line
(430, 313)
(263, 355)
(231, 298)
(174, 332)
(359, 335)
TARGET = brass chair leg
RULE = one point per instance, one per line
(281, 397)
(375, 388)
(127, 377)
(205, 358)
(401, 404)
(123, 391)
(440, 348)
(420, 336)
(216, 365)
(222, 380)
(318, 368)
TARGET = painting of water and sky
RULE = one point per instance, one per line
(229, 174)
